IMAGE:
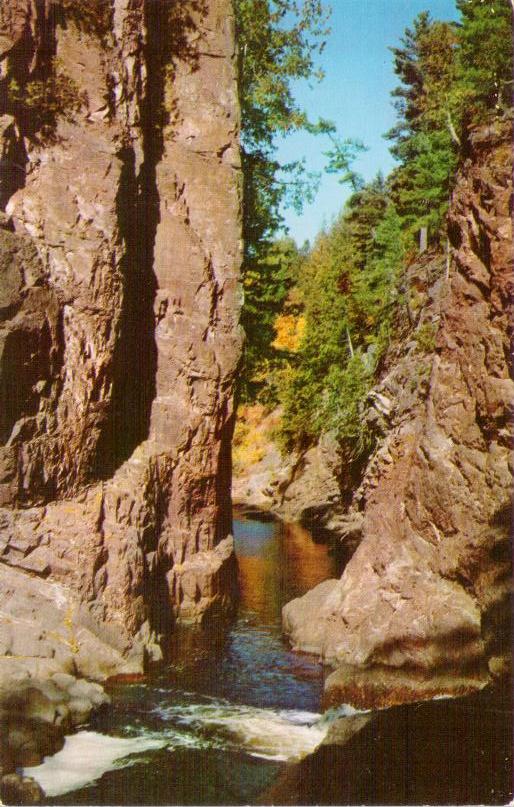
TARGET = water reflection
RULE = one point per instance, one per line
(234, 701)
(304, 563)
(277, 562)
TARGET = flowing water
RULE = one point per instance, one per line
(234, 706)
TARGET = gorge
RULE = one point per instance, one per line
(121, 227)
(120, 336)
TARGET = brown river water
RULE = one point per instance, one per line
(235, 718)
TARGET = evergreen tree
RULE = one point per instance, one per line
(267, 285)
(426, 136)
(421, 185)
(485, 55)
(278, 42)
(364, 210)
(348, 286)
(374, 289)
(427, 67)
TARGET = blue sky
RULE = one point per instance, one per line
(355, 95)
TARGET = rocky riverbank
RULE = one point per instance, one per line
(120, 228)
(426, 528)
(36, 711)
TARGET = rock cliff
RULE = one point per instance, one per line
(119, 335)
(429, 586)
(302, 486)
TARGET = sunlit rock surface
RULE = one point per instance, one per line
(429, 584)
(119, 338)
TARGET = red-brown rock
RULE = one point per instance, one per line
(429, 585)
(119, 334)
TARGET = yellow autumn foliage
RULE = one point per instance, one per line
(252, 435)
(289, 332)
(248, 444)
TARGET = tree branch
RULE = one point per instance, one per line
(455, 137)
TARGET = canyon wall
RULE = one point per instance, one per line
(428, 587)
(120, 253)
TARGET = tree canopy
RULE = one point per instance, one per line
(485, 55)
(278, 43)
(320, 321)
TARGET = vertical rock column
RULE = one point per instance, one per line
(166, 519)
(196, 263)
(115, 463)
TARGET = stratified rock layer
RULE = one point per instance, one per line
(429, 585)
(119, 335)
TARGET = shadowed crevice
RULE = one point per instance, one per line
(135, 353)
(167, 26)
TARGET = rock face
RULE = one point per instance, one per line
(441, 752)
(300, 487)
(429, 584)
(119, 335)
(312, 487)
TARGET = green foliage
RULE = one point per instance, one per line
(279, 41)
(375, 288)
(343, 405)
(451, 76)
(40, 103)
(340, 160)
(349, 288)
(421, 186)
(301, 385)
(426, 65)
(373, 231)
(364, 211)
(425, 137)
(485, 55)
(266, 283)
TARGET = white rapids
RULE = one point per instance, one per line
(281, 736)
(85, 757)
(285, 735)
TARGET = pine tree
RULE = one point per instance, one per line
(485, 55)
(278, 43)
(348, 284)
(374, 288)
(266, 283)
(427, 135)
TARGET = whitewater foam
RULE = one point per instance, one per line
(85, 757)
(286, 735)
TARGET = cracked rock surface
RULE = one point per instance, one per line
(429, 585)
(119, 338)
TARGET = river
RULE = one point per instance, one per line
(235, 705)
